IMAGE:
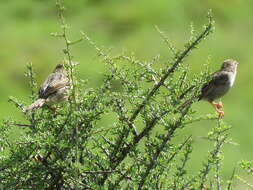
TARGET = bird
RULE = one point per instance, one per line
(219, 84)
(54, 89)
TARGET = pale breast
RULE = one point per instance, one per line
(231, 77)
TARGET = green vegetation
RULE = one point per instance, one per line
(129, 26)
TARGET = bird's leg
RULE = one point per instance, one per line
(217, 107)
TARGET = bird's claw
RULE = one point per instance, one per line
(219, 105)
(221, 114)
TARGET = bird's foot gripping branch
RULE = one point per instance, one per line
(119, 135)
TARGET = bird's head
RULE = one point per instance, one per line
(59, 68)
(229, 65)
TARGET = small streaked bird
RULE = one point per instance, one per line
(54, 89)
(220, 83)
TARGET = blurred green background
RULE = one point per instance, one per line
(129, 25)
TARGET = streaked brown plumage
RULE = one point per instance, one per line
(53, 90)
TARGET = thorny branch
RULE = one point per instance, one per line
(178, 59)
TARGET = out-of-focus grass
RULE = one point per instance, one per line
(129, 25)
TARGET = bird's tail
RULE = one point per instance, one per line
(35, 105)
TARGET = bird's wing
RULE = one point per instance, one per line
(218, 79)
(53, 82)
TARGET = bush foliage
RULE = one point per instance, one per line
(72, 148)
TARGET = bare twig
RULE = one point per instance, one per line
(99, 172)
(23, 125)
(231, 180)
